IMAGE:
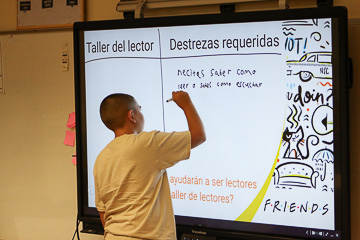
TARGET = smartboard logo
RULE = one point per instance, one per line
(199, 232)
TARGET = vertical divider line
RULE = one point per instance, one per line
(162, 82)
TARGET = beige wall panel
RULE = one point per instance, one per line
(8, 18)
(354, 52)
(37, 178)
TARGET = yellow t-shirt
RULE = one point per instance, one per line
(131, 184)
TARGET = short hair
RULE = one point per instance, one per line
(114, 109)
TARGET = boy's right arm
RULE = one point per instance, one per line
(195, 124)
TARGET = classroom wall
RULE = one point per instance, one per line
(354, 53)
(37, 177)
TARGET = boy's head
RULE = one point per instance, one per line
(117, 109)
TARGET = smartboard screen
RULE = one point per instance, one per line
(266, 92)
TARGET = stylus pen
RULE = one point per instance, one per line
(169, 100)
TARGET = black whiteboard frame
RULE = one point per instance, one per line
(341, 81)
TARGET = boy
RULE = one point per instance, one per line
(132, 191)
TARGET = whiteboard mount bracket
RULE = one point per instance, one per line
(227, 8)
(325, 3)
(283, 4)
(139, 9)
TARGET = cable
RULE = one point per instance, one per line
(77, 228)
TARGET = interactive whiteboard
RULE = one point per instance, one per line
(264, 91)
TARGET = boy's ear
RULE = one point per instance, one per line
(131, 116)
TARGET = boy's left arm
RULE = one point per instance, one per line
(102, 218)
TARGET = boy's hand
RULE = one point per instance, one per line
(182, 99)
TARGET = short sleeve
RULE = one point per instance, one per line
(172, 147)
(99, 204)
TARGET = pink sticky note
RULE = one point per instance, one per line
(74, 160)
(69, 138)
(71, 121)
